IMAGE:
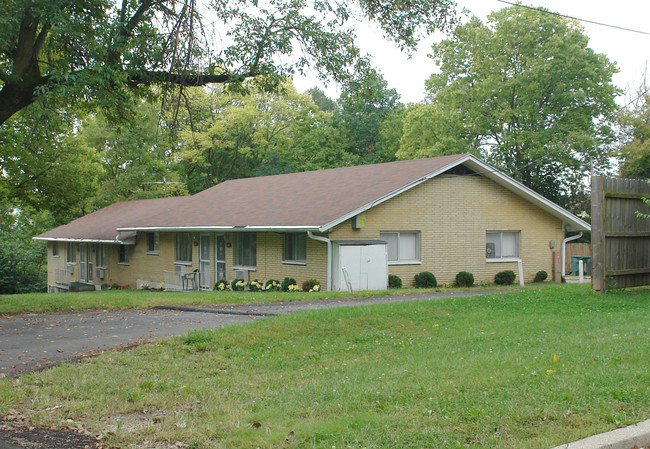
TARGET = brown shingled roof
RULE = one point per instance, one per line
(306, 199)
(102, 225)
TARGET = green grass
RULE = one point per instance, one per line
(526, 369)
(141, 299)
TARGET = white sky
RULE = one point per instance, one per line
(630, 51)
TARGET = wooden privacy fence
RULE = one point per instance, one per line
(620, 239)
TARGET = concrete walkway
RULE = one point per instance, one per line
(33, 342)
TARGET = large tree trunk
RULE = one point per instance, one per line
(14, 97)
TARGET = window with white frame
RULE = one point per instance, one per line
(102, 256)
(402, 246)
(183, 247)
(71, 253)
(153, 242)
(246, 250)
(123, 255)
(502, 245)
(295, 247)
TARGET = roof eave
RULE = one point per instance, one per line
(276, 228)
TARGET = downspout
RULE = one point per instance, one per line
(329, 256)
(564, 242)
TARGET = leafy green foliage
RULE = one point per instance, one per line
(425, 280)
(525, 92)
(541, 276)
(394, 281)
(105, 51)
(506, 277)
(286, 283)
(464, 279)
(635, 153)
(22, 261)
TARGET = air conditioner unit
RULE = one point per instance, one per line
(70, 269)
(241, 274)
(490, 250)
(99, 273)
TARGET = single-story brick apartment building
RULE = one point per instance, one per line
(349, 225)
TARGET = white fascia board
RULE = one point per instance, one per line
(220, 228)
(526, 193)
(55, 239)
(392, 194)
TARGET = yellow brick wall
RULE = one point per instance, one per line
(269, 260)
(453, 214)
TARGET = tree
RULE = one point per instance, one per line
(364, 105)
(526, 92)
(103, 51)
(133, 156)
(43, 167)
(635, 153)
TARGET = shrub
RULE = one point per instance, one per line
(504, 277)
(287, 282)
(222, 285)
(273, 285)
(256, 286)
(541, 276)
(394, 281)
(311, 285)
(464, 279)
(425, 280)
(238, 285)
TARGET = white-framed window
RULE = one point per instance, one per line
(246, 249)
(153, 242)
(71, 253)
(123, 255)
(102, 256)
(55, 249)
(502, 246)
(295, 248)
(403, 246)
(183, 247)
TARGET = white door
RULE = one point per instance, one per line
(205, 260)
(220, 257)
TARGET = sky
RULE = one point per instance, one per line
(630, 51)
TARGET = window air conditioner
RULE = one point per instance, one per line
(489, 250)
(99, 273)
(70, 269)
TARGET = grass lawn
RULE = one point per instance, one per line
(525, 369)
(141, 299)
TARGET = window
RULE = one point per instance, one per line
(502, 245)
(55, 249)
(246, 251)
(123, 255)
(153, 242)
(102, 256)
(295, 247)
(403, 246)
(183, 247)
(71, 253)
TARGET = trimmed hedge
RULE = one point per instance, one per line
(504, 277)
(425, 280)
(464, 279)
(541, 276)
(394, 281)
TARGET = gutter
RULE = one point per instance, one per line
(329, 256)
(564, 242)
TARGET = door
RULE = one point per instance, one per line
(82, 262)
(205, 260)
(220, 252)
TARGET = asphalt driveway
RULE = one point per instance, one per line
(32, 342)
